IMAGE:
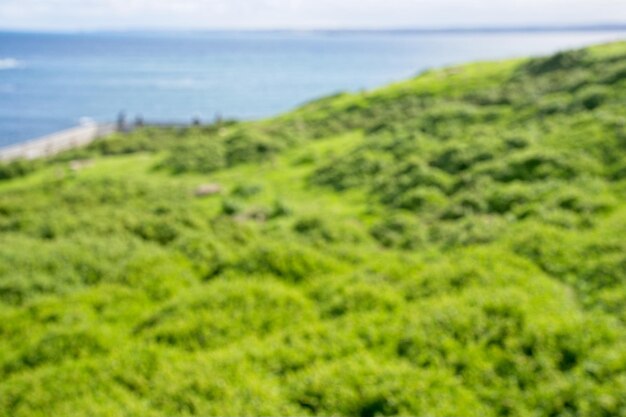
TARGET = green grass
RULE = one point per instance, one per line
(449, 245)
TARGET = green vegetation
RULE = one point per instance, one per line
(452, 245)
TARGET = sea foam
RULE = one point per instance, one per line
(9, 63)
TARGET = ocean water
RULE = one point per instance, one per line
(49, 82)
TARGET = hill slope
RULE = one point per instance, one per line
(449, 245)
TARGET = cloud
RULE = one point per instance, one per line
(97, 14)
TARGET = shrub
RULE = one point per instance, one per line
(230, 207)
(323, 231)
(207, 254)
(395, 187)
(250, 146)
(400, 231)
(247, 190)
(224, 311)
(363, 385)
(195, 154)
(459, 157)
(424, 199)
(348, 171)
(339, 296)
(534, 165)
(554, 104)
(592, 96)
(30, 267)
(17, 168)
(561, 61)
(280, 209)
(158, 274)
(81, 388)
(60, 345)
(471, 230)
(292, 262)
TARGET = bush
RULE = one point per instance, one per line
(225, 310)
(292, 262)
(561, 61)
(196, 154)
(400, 231)
(424, 199)
(280, 209)
(139, 140)
(158, 274)
(459, 157)
(352, 170)
(207, 254)
(60, 345)
(414, 174)
(230, 207)
(323, 231)
(246, 146)
(534, 165)
(17, 168)
(592, 97)
(339, 296)
(30, 268)
(470, 230)
(554, 104)
(363, 385)
(81, 388)
(247, 190)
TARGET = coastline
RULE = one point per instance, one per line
(54, 143)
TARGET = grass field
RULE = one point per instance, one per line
(451, 245)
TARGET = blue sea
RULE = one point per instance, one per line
(49, 82)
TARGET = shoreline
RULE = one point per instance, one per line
(54, 143)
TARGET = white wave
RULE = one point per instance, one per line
(9, 63)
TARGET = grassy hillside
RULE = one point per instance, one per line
(452, 245)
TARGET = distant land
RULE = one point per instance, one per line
(391, 30)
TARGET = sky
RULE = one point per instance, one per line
(302, 14)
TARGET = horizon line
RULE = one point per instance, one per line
(591, 27)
